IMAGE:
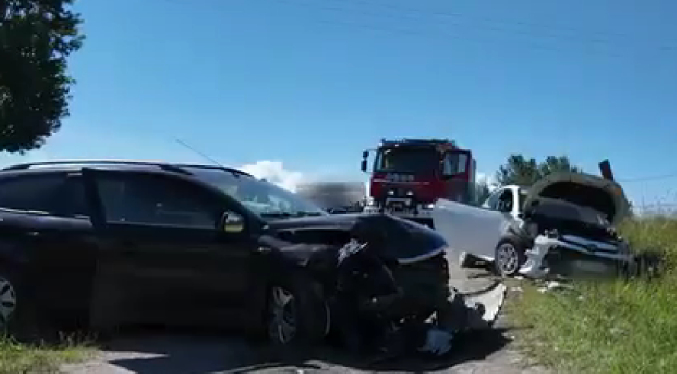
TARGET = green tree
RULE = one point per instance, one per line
(518, 170)
(36, 37)
(554, 164)
(522, 171)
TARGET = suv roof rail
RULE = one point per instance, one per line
(176, 168)
(213, 167)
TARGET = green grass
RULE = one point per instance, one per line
(16, 358)
(609, 326)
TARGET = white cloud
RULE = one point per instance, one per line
(274, 172)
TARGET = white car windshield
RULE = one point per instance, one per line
(263, 198)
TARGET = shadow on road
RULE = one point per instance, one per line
(192, 354)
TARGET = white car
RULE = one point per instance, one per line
(563, 223)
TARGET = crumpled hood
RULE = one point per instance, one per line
(396, 238)
(583, 190)
(330, 221)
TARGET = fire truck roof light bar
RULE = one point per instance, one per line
(416, 141)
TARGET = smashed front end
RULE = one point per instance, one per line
(402, 286)
(575, 256)
(570, 219)
(391, 271)
(387, 285)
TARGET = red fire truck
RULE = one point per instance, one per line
(409, 175)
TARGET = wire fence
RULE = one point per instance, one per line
(658, 209)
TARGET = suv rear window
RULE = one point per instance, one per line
(54, 193)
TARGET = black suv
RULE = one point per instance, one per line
(103, 243)
(100, 244)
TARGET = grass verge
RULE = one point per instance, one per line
(608, 326)
(16, 358)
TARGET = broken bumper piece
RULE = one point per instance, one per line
(570, 255)
(469, 312)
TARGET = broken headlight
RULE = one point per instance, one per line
(554, 234)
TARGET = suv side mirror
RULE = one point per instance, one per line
(231, 223)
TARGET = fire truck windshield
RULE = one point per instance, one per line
(418, 160)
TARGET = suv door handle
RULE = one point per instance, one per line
(33, 233)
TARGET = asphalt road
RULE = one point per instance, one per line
(180, 353)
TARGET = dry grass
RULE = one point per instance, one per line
(16, 358)
(611, 326)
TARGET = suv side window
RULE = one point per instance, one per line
(156, 200)
(53, 193)
(505, 201)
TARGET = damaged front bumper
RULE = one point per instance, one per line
(570, 255)
(404, 208)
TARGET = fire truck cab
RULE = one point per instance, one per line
(409, 175)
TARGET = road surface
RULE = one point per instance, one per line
(491, 352)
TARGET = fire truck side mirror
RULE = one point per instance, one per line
(363, 166)
(446, 174)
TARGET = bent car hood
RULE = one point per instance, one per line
(330, 221)
(394, 237)
(583, 190)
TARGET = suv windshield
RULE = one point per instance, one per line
(263, 198)
(407, 160)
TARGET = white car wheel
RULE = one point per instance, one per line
(507, 259)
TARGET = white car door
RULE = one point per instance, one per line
(470, 229)
(493, 223)
(454, 222)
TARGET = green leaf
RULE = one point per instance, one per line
(36, 38)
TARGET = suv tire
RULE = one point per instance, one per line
(296, 314)
(18, 315)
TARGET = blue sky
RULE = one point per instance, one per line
(312, 83)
